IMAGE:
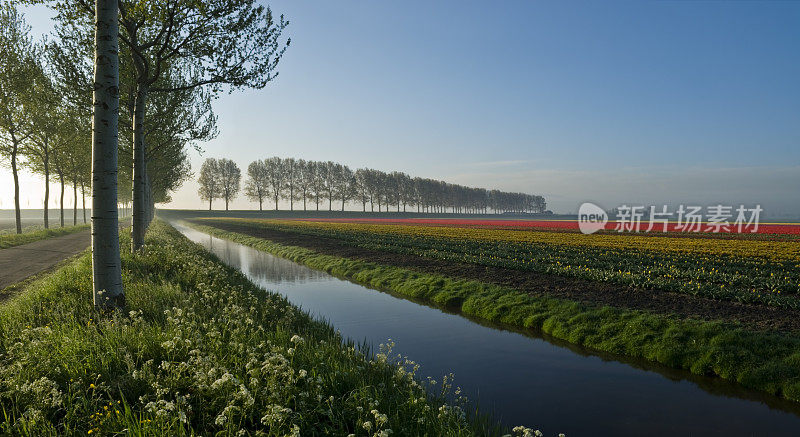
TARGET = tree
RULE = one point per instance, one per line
(106, 264)
(344, 184)
(276, 177)
(69, 65)
(372, 183)
(210, 186)
(17, 69)
(179, 120)
(331, 173)
(257, 183)
(229, 177)
(47, 119)
(380, 188)
(361, 187)
(409, 196)
(290, 170)
(305, 176)
(77, 155)
(59, 158)
(212, 43)
(317, 182)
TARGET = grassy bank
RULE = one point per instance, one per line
(756, 359)
(199, 350)
(9, 238)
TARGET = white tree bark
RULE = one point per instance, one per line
(106, 268)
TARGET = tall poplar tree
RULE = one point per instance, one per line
(106, 265)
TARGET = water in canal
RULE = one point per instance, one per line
(524, 379)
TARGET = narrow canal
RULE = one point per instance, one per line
(522, 378)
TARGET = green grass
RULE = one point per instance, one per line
(759, 360)
(199, 350)
(35, 233)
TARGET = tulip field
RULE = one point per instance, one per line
(761, 270)
(764, 230)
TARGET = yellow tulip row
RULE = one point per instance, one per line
(772, 250)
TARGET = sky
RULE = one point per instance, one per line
(615, 102)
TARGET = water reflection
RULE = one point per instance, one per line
(262, 266)
(527, 380)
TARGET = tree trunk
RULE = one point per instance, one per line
(276, 202)
(74, 202)
(17, 215)
(106, 265)
(83, 200)
(226, 202)
(138, 194)
(260, 204)
(46, 187)
(209, 203)
(61, 202)
(148, 198)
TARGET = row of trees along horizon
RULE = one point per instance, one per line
(298, 180)
(83, 110)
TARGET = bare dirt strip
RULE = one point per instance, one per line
(588, 292)
(20, 262)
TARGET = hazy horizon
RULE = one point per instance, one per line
(637, 103)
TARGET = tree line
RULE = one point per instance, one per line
(326, 182)
(39, 130)
(113, 98)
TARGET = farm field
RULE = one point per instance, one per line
(773, 230)
(697, 329)
(761, 271)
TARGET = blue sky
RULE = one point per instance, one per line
(612, 102)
